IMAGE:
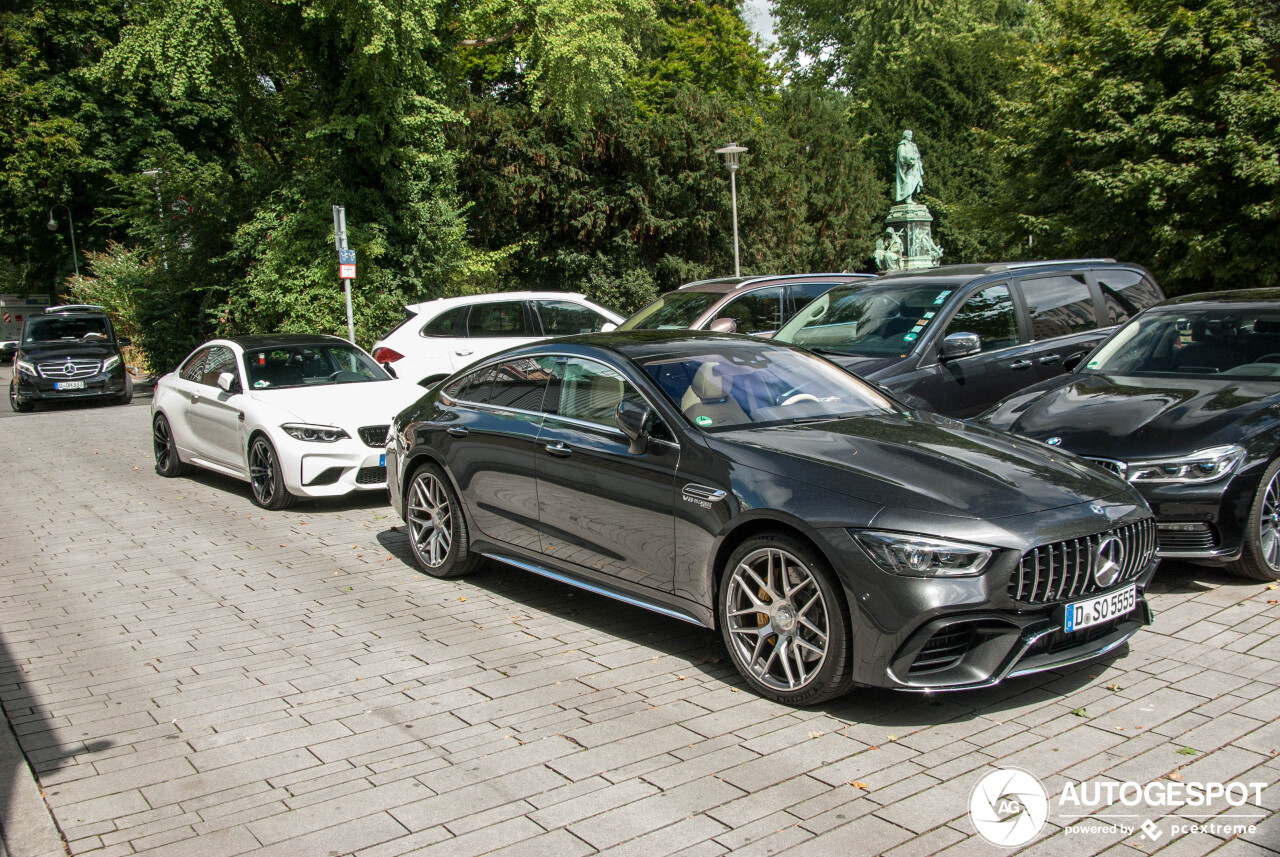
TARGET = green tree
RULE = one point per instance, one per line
(1149, 130)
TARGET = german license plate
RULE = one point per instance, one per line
(382, 460)
(1082, 614)
(68, 385)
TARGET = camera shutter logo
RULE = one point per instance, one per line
(1009, 807)
(1108, 560)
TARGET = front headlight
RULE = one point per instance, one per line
(316, 434)
(25, 368)
(1205, 465)
(921, 556)
(111, 362)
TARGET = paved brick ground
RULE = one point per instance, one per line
(190, 676)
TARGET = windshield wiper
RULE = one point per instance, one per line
(824, 419)
(831, 351)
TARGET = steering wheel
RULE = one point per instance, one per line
(797, 398)
(1273, 357)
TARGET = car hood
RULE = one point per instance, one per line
(923, 462)
(1129, 417)
(349, 406)
(39, 352)
(873, 368)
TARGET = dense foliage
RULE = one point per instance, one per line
(487, 144)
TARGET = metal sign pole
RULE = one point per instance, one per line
(340, 244)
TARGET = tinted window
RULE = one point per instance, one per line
(755, 312)
(220, 359)
(874, 321)
(476, 387)
(989, 313)
(52, 328)
(519, 384)
(193, 369)
(1126, 293)
(1191, 340)
(444, 324)
(803, 293)
(1058, 305)
(673, 311)
(586, 390)
(505, 318)
(565, 318)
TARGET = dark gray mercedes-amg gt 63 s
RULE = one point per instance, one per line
(833, 535)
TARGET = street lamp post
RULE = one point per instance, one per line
(731, 153)
(52, 226)
(164, 250)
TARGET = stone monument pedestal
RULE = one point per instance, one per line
(912, 221)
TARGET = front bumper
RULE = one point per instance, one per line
(1204, 523)
(328, 470)
(103, 385)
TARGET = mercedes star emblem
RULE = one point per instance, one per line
(1108, 560)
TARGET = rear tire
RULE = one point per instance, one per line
(19, 406)
(437, 525)
(1260, 555)
(266, 479)
(784, 620)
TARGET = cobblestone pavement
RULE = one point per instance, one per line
(188, 675)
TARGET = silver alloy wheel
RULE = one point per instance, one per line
(1269, 524)
(430, 519)
(161, 442)
(262, 471)
(777, 619)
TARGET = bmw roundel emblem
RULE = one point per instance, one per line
(1054, 441)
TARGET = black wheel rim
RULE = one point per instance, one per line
(262, 471)
(161, 440)
(778, 620)
(1269, 525)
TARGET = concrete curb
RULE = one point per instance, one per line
(26, 827)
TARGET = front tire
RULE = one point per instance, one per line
(1260, 556)
(437, 526)
(265, 476)
(166, 450)
(127, 396)
(784, 621)
(19, 406)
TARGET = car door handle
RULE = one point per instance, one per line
(1020, 364)
(463, 353)
(1050, 358)
(195, 397)
(559, 449)
(457, 431)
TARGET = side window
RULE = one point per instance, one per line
(1126, 293)
(989, 313)
(756, 312)
(804, 293)
(565, 318)
(475, 388)
(220, 359)
(502, 318)
(586, 390)
(444, 324)
(1059, 306)
(193, 369)
(520, 384)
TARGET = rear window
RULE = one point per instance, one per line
(1126, 293)
(444, 324)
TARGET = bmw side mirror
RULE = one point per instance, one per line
(227, 383)
(632, 418)
(390, 370)
(960, 345)
(724, 325)
(1073, 361)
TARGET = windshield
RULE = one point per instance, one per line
(673, 311)
(53, 328)
(881, 321)
(741, 385)
(1236, 341)
(310, 366)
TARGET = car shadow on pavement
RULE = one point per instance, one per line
(1183, 578)
(371, 499)
(704, 651)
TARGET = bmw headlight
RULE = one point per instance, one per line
(1206, 465)
(111, 362)
(315, 434)
(921, 556)
(26, 368)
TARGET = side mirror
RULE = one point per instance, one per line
(633, 418)
(608, 326)
(390, 370)
(123, 341)
(724, 325)
(1073, 360)
(227, 383)
(960, 345)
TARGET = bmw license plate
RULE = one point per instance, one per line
(1082, 614)
(68, 385)
(382, 460)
